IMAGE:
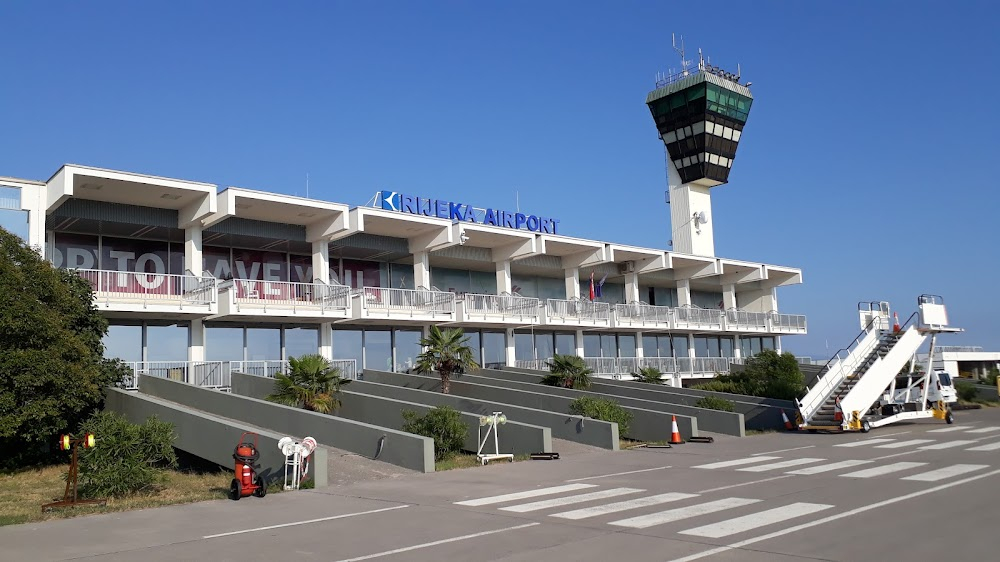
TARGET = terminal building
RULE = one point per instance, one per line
(198, 281)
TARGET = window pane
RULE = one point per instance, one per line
(591, 345)
(713, 346)
(680, 344)
(347, 345)
(378, 350)
(566, 344)
(543, 346)
(701, 346)
(767, 343)
(407, 349)
(15, 221)
(626, 345)
(754, 346)
(301, 341)
(727, 347)
(124, 342)
(167, 343)
(263, 344)
(494, 348)
(608, 346)
(523, 347)
(649, 347)
(476, 346)
(223, 344)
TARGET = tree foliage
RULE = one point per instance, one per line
(715, 403)
(649, 375)
(568, 371)
(442, 424)
(447, 353)
(52, 371)
(602, 409)
(766, 374)
(128, 457)
(311, 383)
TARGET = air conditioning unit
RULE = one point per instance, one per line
(626, 267)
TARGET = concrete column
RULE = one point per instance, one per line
(510, 357)
(638, 345)
(572, 275)
(192, 250)
(50, 245)
(777, 344)
(579, 343)
(774, 299)
(691, 352)
(632, 287)
(321, 261)
(326, 340)
(422, 269)
(683, 292)
(504, 283)
(736, 347)
(196, 341)
(729, 295)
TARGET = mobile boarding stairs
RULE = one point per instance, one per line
(854, 382)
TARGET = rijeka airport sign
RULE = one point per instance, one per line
(396, 201)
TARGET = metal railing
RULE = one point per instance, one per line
(128, 286)
(788, 322)
(957, 348)
(702, 317)
(288, 294)
(578, 309)
(212, 374)
(842, 364)
(640, 312)
(503, 305)
(409, 301)
(348, 368)
(745, 319)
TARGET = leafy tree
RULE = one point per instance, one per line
(52, 370)
(442, 424)
(311, 383)
(128, 457)
(766, 374)
(568, 371)
(447, 353)
(650, 375)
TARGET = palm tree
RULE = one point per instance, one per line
(447, 353)
(650, 375)
(311, 383)
(568, 371)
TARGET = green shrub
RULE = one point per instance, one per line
(966, 391)
(127, 458)
(715, 403)
(766, 374)
(604, 410)
(442, 424)
(991, 377)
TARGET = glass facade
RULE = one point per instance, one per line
(224, 343)
(301, 341)
(494, 348)
(123, 342)
(167, 343)
(407, 345)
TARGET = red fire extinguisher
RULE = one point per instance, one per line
(246, 481)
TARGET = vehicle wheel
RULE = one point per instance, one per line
(235, 490)
(949, 418)
(865, 426)
(261, 490)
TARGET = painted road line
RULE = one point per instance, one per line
(948, 444)
(902, 444)
(756, 520)
(570, 500)
(863, 443)
(987, 447)
(984, 430)
(435, 543)
(526, 494)
(884, 469)
(306, 522)
(623, 506)
(828, 467)
(780, 465)
(946, 472)
(619, 474)
(829, 519)
(737, 462)
(742, 484)
(950, 428)
(644, 521)
(782, 450)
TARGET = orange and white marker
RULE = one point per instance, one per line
(838, 414)
(895, 322)
(675, 434)
(788, 423)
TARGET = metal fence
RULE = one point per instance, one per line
(642, 312)
(291, 295)
(703, 317)
(347, 367)
(212, 374)
(578, 309)
(409, 301)
(145, 287)
(504, 306)
(746, 320)
(788, 322)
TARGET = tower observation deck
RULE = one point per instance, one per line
(699, 114)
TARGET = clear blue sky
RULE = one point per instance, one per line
(868, 159)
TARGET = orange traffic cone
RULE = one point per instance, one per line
(784, 418)
(838, 414)
(675, 434)
(895, 322)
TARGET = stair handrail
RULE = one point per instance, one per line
(828, 368)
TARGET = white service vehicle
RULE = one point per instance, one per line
(909, 389)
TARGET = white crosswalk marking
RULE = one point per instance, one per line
(950, 428)
(623, 505)
(780, 465)
(946, 472)
(755, 520)
(947, 444)
(828, 467)
(866, 442)
(884, 469)
(644, 521)
(987, 447)
(527, 494)
(901, 444)
(984, 430)
(737, 462)
(557, 502)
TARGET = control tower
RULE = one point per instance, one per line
(699, 114)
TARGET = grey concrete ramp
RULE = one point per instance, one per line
(211, 437)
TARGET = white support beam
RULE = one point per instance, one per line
(504, 283)
(321, 261)
(516, 250)
(328, 227)
(422, 269)
(729, 295)
(194, 213)
(192, 250)
(586, 257)
(435, 240)
(632, 287)
(683, 292)
(572, 277)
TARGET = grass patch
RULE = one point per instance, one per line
(751, 432)
(626, 444)
(463, 460)
(23, 492)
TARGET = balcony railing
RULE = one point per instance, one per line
(693, 317)
(145, 288)
(642, 313)
(211, 374)
(409, 301)
(623, 367)
(745, 320)
(284, 294)
(502, 306)
(788, 322)
(347, 368)
(578, 309)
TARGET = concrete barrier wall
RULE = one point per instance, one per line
(647, 425)
(755, 415)
(398, 448)
(571, 428)
(516, 438)
(210, 437)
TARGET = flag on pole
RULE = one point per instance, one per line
(591, 285)
(598, 289)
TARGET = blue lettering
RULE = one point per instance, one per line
(554, 223)
(408, 204)
(508, 219)
(442, 209)
(544, 226)
(470, 214)
(519, 220)
(426, 207)
(491, 217)
(532, 223)
(455, 211)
